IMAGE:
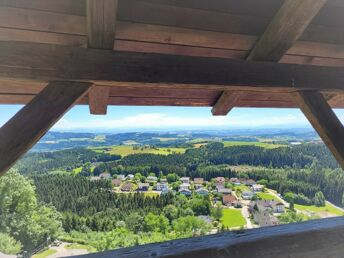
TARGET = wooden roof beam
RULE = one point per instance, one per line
(101, 23)
(315, 107)
(285, 28)
(98, 98)
(225, 103)
(22, 131)
(23, 61)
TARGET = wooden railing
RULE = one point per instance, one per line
(315, 239)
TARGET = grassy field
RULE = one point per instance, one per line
(150, 194)
(268, 196)
(125, 150)
(90, 249)
(232, 218)
(265, 145)
(45, 253)
(312, 208)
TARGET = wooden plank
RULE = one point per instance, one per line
(22, 131)
(225, 103)
(42, 37)
(178, 16)
(101, 21)
(98, 97)
(19, 60)
(314, 238)
(315, 107)
(285, 28)
(26, 19)
(76, 7)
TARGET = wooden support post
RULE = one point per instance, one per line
(315, 107)
(225, 103)
(101, 21)
(285, 28)
(98, 98)
(21, 132)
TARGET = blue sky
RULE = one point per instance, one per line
(164, 118)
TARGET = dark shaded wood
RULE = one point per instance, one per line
(315, 107)
(101, 21)
(51, 62)
(76, 7)
(98, 97)
(225, 103)
(22, 131)
(315, 238)
(285, 28)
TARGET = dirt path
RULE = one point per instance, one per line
(64, 252)
(245, 213)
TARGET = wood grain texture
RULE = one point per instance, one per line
(315, 238)
(22, 131)
(315, 107)
(24, 61)
(285, 28)
(101, 21)
(98, 98)
(225, 103)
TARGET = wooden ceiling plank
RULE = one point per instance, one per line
(315, 107)
(225, 103)
(285, 28)
(22, 131)
(98, 99)
(101, 22)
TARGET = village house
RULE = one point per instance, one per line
(185, 180)
(224, 191)
(151, 179)
(184, 186)
(185, 192)
(105, 176)
(202, 191)
(116, 182)
(162, 187)
(121, 177)
(257, 188)
(130, 177)
(235, 181)
(143, 187)
(198, 180)
(247, 195)
(220, 180)
(229, 200)
(126, 187)
(271, 205)
(250, 182)
(198, 186)
(163, 180)
(264, 218)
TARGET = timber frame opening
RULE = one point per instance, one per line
(217, 53)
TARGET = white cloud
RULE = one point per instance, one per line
(161, 120)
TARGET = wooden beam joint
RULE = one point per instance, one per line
(98, 98)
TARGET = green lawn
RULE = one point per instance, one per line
(90, 249)
(232, 218)
(77, 170)
(328, 208)
(242, 188)
(125, 150)
(266, 145)
(267, 196)
(45, 253)
(150, 194)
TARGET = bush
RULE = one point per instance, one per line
(8, 245)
